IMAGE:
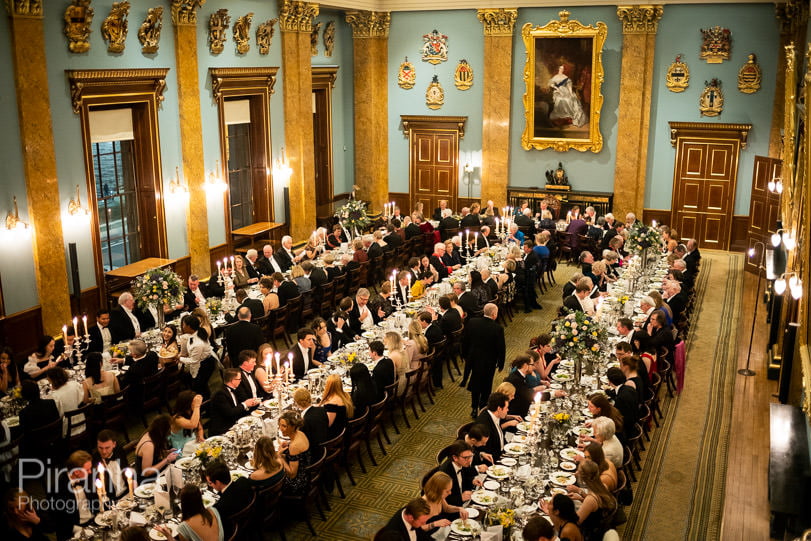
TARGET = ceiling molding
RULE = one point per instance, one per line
(429, 5)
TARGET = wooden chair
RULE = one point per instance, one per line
(268, 510)
(408, 396)
(78, 433)
(307, 307)
(153, 394)
(113, 412)
(173, 381)
(312, 494)
(424, 386)
(10, 459)
(388, 412)
(339, 290)
(240, 517)
(352, 444)
(636, 446)
(655, 385)
(45, 442)
(294, 306)
(564, 243)
(443, 453)
(449, 232)
(326, 300)
(334, 449)
(454, 351)
(279, 326)
(374, 423)
(462, 431)
(627, 463)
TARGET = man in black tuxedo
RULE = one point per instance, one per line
(400, 295)
(268, 264)
(467, 301)
(520, 403)
(383, 373)
(248, 386)
(393, 238)
(412, 230)
(576, 302)
(284, 255)
(252, 264)
(525, 218)
(498, 404)
(285, 289)
(449, 319)
(316, 422)
(470, 220)
(490, 283)
(303, 352)
(675, 299)
(361, 317)
(618, 228)
(197, 292)
(330, 268)
(124, 322)
(338, 327)
(430, 328)
(484, 348)
(316, 275)
(72, 500)
(234, 495)
(254, 305)
(692, 256)
(526, 280)
(373, 249)
(626, 400)
(407, 523)
(447, 222)
(142, 364)
(657, 334)
(436, 261)
(38, 413)
(243, 334)
(459, 468)
(115, 462)
(101, 336)
(225, 408)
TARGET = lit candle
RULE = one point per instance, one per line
(64, 332)
(102, 471)
(467, 236)
(75, 323)
(232, 262)
(287, 367)
(497, 227)
(537, 406)
(130, 481)
(100, 491)
(653, 223)
(84, 324)
(476, 240)
(219, 272)
(278, 369)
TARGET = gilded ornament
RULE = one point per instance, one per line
(711, 102)
(749, 76)
(242, 33)
(264, 35)
(114, 28)
(434, 95)
(435, 47)
(791, 16)
(78, 17)
(716, 45)
(406, 76)
(639, 19)
(498, 21)
(24, 8)
(314, 39)
(150, 32)
(329, 38)
(463, 76)
(369, 24)
(296, 16)
(184, 12)
(678, 76)
(217, 30)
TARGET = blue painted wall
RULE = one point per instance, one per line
(586, 170)
(754, 30)
(465, 40)
(16, 250)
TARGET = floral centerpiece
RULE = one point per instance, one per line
(561, 418)
(578, 334)
(119, 350)
(214, 306)
(353, 216)
(207, 452)
(348, 359)
(641, 237)
(501, 515)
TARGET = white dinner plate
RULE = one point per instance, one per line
(562, 478)
(472, 512)
(157, 536)
(484, 497)
(507, 461)
(145, 491)
(570, 453)
(499, 472)
(523, 426)
(185, 462)
(568, 466)
(467, 528)
(515, 448)
(13, 421)
(581, 431)
(562, 376)
(520, 438)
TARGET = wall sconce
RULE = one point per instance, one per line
(784, 236)
(215, 185)
(795, 285)
(775, 186)
(178, 191)
(13, 221)
(75, 206)
(282, 169)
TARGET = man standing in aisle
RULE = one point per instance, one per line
(484, 348)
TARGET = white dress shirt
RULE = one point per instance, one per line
(305, 353)
(497, 422)
(247, 376)
(201, 299)
(412, 535)
(106, 338)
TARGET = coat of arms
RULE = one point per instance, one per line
(717, 44)
(711, 102)
(435, 48)
(749, 76)
(463, 76)
(406, 77)
(434, 95)
(678, 76)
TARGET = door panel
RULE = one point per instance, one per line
(712, 234)
(424, 180)
(763, 206)
(716, 197)
(433, 167)
(692, 195)
(719, 163)
(694, 162)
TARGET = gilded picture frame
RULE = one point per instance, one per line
(563, 77)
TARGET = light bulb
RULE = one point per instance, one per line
(793, 281)
(780, 286)
(771, 186)
(776, 240)
(779, 186)
(751, 252)
(788, 240)
(797, 289)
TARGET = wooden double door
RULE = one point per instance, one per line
(705, 178)
(433, 160)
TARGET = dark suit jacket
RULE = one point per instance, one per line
(223, 412)
(568, 289)
(523, 394)
(412, 230)
(455, 497)
(240, 336)
(36, 414)
(374, 250)
(572, 303)
(118, 456)
(243, 391)
(121, 326)
(233, 499)
(493, 442)
(318, 277)
(523, 221)
(469, 303)
(393, 240)
(316, 426)
(254, 305)
(626, 400)
(96, 341)
(470, 221)
(531, 264)
(439, 266)
(450, 321)
(383, 375)
(448, 223)
(677, 304)
(63, 509)
(298, 361)
(264, 266)
(395, 530)
(691, 260)
(139, 370)
(492, 287)
(283, 259)
(333, 272)
(483, 346)
(287, 290)
(340, 338)
(433, 332)
(254, 271)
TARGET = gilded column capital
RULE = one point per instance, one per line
(296, 16)
(499, 21)
(369, 24)
(639, 19)
(24, 8)
(184, 12)
(791, 15)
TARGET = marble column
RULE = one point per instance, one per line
(39, 161)
(370, 34)
(184, 19)
(639, 25)
(296, 23)
(498, 25)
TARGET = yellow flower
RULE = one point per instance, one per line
(594, 333)
(574, 339)
(567, 324)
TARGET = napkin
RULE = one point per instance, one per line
(442, 533)
(176, 476)
(162, 499)
(524, 471)
(509, 436)
(137, 519)
(493, 533)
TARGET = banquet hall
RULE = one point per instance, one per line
(198, 138)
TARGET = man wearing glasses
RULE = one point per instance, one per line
(459, 467)
(226, 408)
(303, 352)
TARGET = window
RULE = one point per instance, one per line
(116, 199)
(240, 184)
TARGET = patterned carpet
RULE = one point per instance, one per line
(388, 486)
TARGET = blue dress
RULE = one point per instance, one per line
(322, 352)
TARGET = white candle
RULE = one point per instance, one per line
(476, 240)
(467, 236)
(64, 332)
(219, 272)
(75, 324)
(287, 367)
(278, 367)
(232, 262)
(497, 227)
(84, 324)
(130, 482)
(99, 490)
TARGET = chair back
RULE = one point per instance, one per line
(391, 394)
(376, 412)
(294, 306)
(45, 441)
(462, 431)
(449, 233)
(334, 447)
(410, 388)
(443, 453)
(355, 428)
(78, 426)
(325, 301)
(340, 289)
